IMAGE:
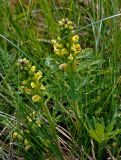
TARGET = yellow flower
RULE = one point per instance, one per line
(53, 41)
(63, 66)
(29, 119)
(56, 45)
(114, 144)
(78, 47)
(70, 23)
(19, 136)
(33, 85)
(60, 23)
(27, 131)
(70, 27)
(27, 90)
(67, 45)
(73, 48)
(63, 19)
(38, 75)
(60, 46)
(22, 88)
(75, 38)
(66, 26)
(64, 51)
(33, 68)
(33, 113)
(71, 57)
(42, 87)
(57, 51)
(23, 61)
(38, 123)
(59, 38)
(15, 134)
(36, 98)
(27, 147)
(26, 142)
(24, 82)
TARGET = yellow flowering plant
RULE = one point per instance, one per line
(31, 80)
(31, 84)
(65, 46)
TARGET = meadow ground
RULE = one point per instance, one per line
(60, 80)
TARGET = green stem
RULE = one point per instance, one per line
(53, 130)
(99, 151)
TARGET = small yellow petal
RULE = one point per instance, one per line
(53, 41)
(33, 68)
(73, 47)
(60, 23)
(63, 66)
(114, 144)
(27, 90)
(71, 57)
(56, 45)
(24, 82)
(78, 47)
(36, 98)
(33, 85)
(64, 51)
(15, 134)
(25, 142)
(57, 51)
(19, 136)
(38, 75)
(27, 147)
(38, 123)
(29, 119)
(75, 38)
(42, 87)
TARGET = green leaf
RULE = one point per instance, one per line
(93, 134)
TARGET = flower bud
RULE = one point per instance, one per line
(57, 51)
(63, 66)
(64, 51)
(78, 48)
(27, 90)
(19, 136)
(38, 75)
(33, 85)
(42, 87)
(53, 41)
(71, 57)
(36, 98)
(25, 142)
(15, 134)
(33, 68)
(27, 147)
(38, 123)
(56, 45)
(75, 38)
(60, 23)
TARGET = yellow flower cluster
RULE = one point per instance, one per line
(69, 47)
(59, 48)
(31, 80)
(66, 24)
(19, 137)
(70, 50)
(34, 117)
